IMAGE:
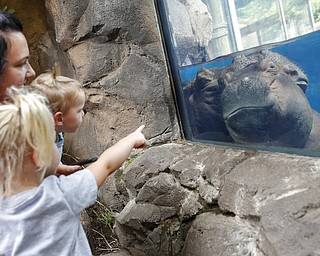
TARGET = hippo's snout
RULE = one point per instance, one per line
(250, 91)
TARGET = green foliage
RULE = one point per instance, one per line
(102, 220)
(107, 218)
(6, 9)
(102, 214)
(316, 10)
(247, 14)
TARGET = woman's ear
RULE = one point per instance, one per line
(58, 118)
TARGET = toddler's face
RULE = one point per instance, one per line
(73, 118)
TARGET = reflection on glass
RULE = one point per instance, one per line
(262, 97)
(277, 20)
(247, 71)
(202, 30)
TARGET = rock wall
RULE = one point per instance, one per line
(34, 20)
(176, 198)
(193, 199)
(114, 49)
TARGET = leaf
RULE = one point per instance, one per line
(6, 9)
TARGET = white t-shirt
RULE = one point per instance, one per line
(46, 220)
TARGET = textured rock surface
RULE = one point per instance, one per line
(189, 199)
(216, 234)
(174, 198)
(116, 52)
(35, 26)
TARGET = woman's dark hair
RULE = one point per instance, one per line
(3, 52)
(8, 23)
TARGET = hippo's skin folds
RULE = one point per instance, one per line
(258, 99)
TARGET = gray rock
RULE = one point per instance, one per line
(118, 253)
(212, 234)
(173, 198)
(290, 224)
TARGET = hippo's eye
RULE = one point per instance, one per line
(291, 71)
(293, 74)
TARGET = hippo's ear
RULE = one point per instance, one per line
(264, 52)
(261, 55)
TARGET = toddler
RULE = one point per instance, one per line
(66, 99)
(40, 216)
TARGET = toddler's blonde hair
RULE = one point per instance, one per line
(62, 92)
(26, 124)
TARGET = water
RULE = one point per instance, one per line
(303, 51)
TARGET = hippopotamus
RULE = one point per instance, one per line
(259, 99)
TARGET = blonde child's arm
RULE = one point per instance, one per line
(111, 159)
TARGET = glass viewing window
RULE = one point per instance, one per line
(246, 72)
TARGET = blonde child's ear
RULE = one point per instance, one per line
(35, 158)
(58, 118)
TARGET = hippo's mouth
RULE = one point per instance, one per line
(253, 125)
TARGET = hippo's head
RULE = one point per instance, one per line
(263, 102)
(258, 99)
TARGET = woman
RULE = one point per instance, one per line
(15, 68)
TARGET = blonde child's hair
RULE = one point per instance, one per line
(62, 92)
(26, 124)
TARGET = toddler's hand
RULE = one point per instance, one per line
(139, 139)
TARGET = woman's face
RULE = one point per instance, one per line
(17, 68)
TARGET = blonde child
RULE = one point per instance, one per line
(66, 99)
(40, 216)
